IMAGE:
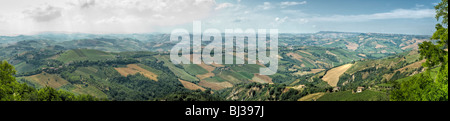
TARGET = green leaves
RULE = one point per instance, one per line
(427, 86)
(6, 73)
(442, 11)
(11, 90)
(432, 53)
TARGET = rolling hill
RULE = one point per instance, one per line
(83, 54)
(122, 67)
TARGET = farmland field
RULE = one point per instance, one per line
(332, 76)
(191, 86)
(366, 95)
(312, 97)
(133, 69)
(45, 79)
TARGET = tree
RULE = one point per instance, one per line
(11, 90)
(6, 73)
(425, 86)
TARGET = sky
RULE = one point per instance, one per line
(26, 17)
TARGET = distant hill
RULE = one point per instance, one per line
(372, 45)
(83, 54)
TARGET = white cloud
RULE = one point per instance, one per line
(224, 5)
(291, 3)
(419, 5)
(44, 13)
(301, 20)
(278, 21)
(105, 16)
(395, 14)
(265, 6)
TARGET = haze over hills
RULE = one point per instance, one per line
(360, 42)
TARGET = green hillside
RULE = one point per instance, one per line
(372, 72)
(84, 54)
(95, 70)
(367, 95)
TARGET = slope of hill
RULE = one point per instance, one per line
(367, 95)
(105, 44)
(83, 54)
(100, 66)
(376, 75)
(307, 58)
(373, 45)
(332, 76)
(133, 69)
(371, 72)
(45, 79)
(22, 47)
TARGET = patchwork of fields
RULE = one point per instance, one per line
(104, 67)
(133, 69)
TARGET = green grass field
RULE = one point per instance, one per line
(194, 69)
(177, 71)
(215, 79)
(156, 71)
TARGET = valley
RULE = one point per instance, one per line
(323, 66)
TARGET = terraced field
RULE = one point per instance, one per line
(45, 79)
(134, 69)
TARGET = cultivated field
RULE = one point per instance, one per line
(262, 79)
(132, 69)
(366, 95)
(90, 90)
(295, 56)
(332, 76)
(207, 68)
(177, 71)
(215, 85)
(45, 79)
(191, 86)
(312, 97)
(411, 66)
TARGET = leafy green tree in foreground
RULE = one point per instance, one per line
(427, 86)
(11, 90)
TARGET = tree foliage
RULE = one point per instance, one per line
(11, 90)
(428, 86)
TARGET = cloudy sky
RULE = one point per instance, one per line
(146, 16)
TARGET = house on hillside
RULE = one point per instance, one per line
(336, 89)
(359, 89)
